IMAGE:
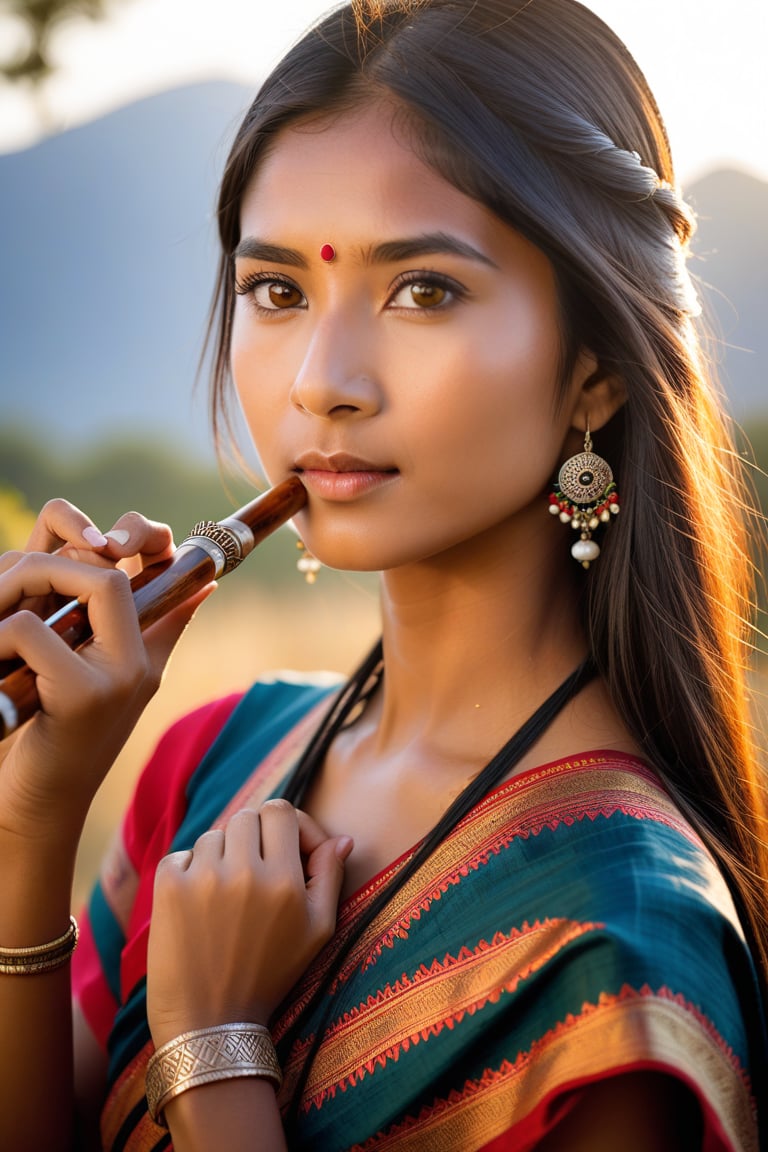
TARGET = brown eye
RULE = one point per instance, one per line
(270, 293)
(427, 295)
(423, 291)
(276, 294)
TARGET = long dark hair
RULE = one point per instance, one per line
(536, 109)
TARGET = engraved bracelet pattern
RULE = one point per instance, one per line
(40, 957)
(206, 1055)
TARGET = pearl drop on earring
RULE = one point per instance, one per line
(585, 497)
(307, 564)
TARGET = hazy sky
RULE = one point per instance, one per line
(705, 60)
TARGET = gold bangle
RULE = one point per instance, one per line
(206, 1055)
(40, 957)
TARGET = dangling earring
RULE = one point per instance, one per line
(585, 497)
(307, 564)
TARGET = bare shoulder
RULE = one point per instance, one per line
(638, 1112)
(596, 722)
(588, 723)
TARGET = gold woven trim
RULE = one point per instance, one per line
(635, 1029)
(434, 997)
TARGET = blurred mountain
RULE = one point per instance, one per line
(731, 265)
(107, 257)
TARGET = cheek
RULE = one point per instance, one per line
(241, 355)
(256, 385)
(496, 394)
(258, 406)
(247, 349)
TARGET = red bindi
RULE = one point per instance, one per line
(328, 253)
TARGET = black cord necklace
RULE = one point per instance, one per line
(502, 764)
(513, 751)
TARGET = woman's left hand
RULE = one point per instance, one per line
(237, 920)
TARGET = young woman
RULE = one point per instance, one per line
(512, 894)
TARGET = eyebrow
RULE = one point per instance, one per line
(428, 244)
(251, 248)
(390, 252)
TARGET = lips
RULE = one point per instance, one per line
(337, 462)
(341, 477)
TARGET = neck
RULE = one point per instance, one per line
(474, 641)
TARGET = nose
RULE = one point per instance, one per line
(336, 378)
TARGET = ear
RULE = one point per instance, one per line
(598, 394)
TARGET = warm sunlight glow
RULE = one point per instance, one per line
(704, 63)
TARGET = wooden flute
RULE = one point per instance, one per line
(212, 549)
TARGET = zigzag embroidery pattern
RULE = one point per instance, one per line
(435, 997)
(592, 808)
(508, 1072)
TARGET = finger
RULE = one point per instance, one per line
(24, 635)
(279, 827)
(311, 835)
(44, 606)
(60, 523)
(325, 872)
(175, 862)
(243, 840)
(70, 683)
(107, 597)
(8, 559)
(135, 535)
(208, 849)
(280, 838)
(38, 574)
(105, 593)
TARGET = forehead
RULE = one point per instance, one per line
(355, 169)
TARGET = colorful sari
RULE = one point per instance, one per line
(571, 928)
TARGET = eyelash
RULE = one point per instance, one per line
(431, 280)
(246, 285)
(455, 291)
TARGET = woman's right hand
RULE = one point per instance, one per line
(90, 699)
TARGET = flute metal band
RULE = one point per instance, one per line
(213, 549)
(227, 542)
(40, 957)
(224, 1052)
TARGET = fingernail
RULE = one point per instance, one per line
(95, 538)
(119, 535)
(343, 847)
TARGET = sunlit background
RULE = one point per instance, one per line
(705, 61)
(111, 141)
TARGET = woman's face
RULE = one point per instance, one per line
(412, 379)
